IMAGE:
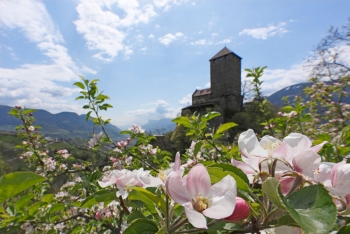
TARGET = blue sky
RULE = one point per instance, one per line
(150, 55)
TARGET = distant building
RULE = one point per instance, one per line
(224, 95)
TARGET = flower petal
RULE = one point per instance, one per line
(194, 217)
(227, 184)
(242, 211)
(306, 163)
(297, 143)
(246, 168)
(198, 181)
(176, 187)
(249, 145)
(221, 207)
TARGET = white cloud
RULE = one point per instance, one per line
(276, 79)
(186, 101)
(224, 41)
(265, 32)
(139, 38)
(169, 38)
(151, 36)
(105, 30)
(166, 4)
(35, 84)
(201, 42)
(160, 109)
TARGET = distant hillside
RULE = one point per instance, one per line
(295, 90)
(290, 92)
(60, 125)
(160, 126)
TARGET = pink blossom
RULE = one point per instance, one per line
(136, 129)
(124, 180)
(50, 163)
(295, 150)
(242, 211)
(335, 177)
(95, 138)
(199, 198)
(175, 167)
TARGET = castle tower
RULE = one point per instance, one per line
(224, 95)
(225, 79)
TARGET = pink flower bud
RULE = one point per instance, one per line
(128, 140)
(20, 158)
(241, 211)
(98, 215)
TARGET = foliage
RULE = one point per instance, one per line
(211, 187)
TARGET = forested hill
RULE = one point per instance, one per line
(61, 125)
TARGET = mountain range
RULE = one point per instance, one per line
(60, 125)
(72, 125)
(296, 90)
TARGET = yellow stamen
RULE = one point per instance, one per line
(162, 176)
(200, 203)
(270, 147)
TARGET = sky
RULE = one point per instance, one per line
(151, 55)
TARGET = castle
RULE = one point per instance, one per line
(224, 95)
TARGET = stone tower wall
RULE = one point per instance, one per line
(225, 77)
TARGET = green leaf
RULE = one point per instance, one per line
(148, 198)
(233, 169)
(312, 208)
(88, 115)
(233, 227)
(16, 182)
(182, 120)
(197, 147)
(34, 208)
(135, 215)
(125, 132)
(79, 84)
(211, 115)
(105, 196)
(225, 127)
(344, 230)
(79, 98)
(271, 188)
(141, 226)
(56, 208)
(217, 174)
(23, 201)
(47, 198)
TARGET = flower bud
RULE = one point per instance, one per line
(241, 211)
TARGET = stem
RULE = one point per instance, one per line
(271, 214)
(178, 225)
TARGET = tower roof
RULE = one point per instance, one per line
(223, 52)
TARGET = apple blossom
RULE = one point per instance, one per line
(295, 150)
(31, 128)
(335, 177)
(174, 167)
(124, 180)
(242, 211)
(95, 138)
(199, 198)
